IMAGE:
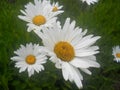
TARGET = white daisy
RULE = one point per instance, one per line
(57, 8)
(116, 53)
(70, 50)
(89, 2)
(30, 57)
(38, 15)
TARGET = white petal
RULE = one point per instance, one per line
(65, 71)
(37, 68)
(78, 81)
(86, 71)
(16, 58)
(79, 63)
(22, 69)
(30, 71)
(84, 63)
(83, 54)
(76, 77)
(24, 18)
(66, 25)
(87, 41)
(71, 73)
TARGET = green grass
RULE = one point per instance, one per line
(101, 19)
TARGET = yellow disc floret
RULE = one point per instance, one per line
(30, 59)
(39, 20)
(118, 55)
(64, 51)
(55, 9)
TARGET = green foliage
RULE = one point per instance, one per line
(101, 19)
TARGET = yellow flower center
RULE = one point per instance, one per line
(39, 20)
(118, 55)
(55, 9)
(64, 51)
(30, 59)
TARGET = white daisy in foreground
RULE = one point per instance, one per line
(70, 50)
(89, 2)
(30, 57)
(57, 8)
(116, 53)
(38, 15)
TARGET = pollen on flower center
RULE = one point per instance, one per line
(55, 9)
(30, 59)
(118, 55)
(64, 51)
(39, 20)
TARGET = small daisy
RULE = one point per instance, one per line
(89, 2)
(57, 8)
(70, 50)
(38, 15)
(30, 57)
(116, 53)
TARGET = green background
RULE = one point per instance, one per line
(101, 19)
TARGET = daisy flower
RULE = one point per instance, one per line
(57, 8)
(30, 57)
(71, 50)
(38, 15)
(89, 2)
(116, 53)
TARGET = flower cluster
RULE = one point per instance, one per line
(67, 46)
